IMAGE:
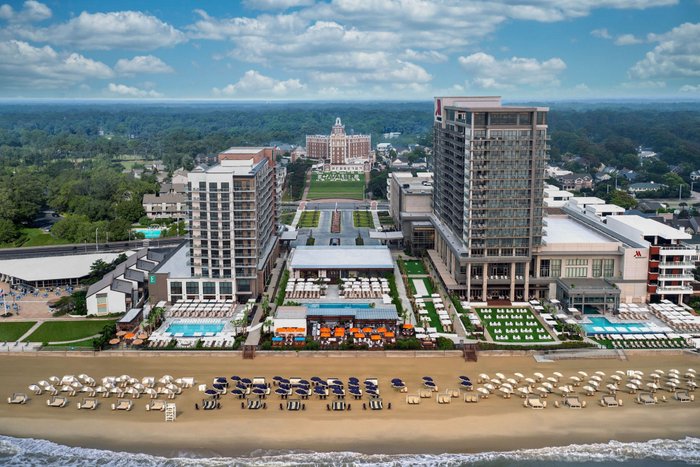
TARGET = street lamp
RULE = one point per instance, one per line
(96, 247)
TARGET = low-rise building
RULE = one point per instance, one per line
(125, 287)
(410, 204)
(642, 187)
(575, 181)
(165, 206)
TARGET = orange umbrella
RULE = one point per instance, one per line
(131, 335)
(381, 330)
(367, 330)
(374, 337)
(359, 335)
(114, 341)
(354, 330)
(325, 329)
(408, 326)
(325, 334)
(339, 332)
(389, 335)
(143, 335)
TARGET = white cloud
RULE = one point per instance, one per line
(601, 33)
(276, 4)
(120, 29)
(690, 88)
(644, 84)
(130, 91)
(627, 39)
(254, 84)
(677, 55)
(31, 11)
(25, 66)
(142, 64)
(488, 72)
(430, 56)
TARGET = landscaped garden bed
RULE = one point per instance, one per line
(309, 219)
(362, 219)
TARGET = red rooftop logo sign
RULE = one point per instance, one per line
(438, 110)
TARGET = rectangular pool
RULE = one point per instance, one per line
(149, 233)
(601, 325)
(194, 329)
(337, 305)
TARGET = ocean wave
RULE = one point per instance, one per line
(33, 452)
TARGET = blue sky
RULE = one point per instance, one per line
(350, 49)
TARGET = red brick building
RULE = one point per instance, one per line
(339, 148)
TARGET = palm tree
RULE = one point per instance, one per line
(267, 325)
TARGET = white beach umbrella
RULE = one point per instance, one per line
(166, 379)
(505, 391)
(692, 385)
(483, 377)
(500, 376)
(564, 389)
(589, 390)
(489, 386)
(542, 389)
(521, 376)
(632, 387)
(132, 381)
(655, 376)
(525, 390)
(44, 384)
(673, 370)
(530, 381)
(557, 374)
(636, 382)
(83, 377)
(691, 370)
(575, 379)
(512, 381)
(548, 386)
(496, 381)
(612, 388)
(539, 376)
(661, 372)
(54, 380)
(139, 387)
(620, 372)
(583, 374)
(690, 375)
(615, 378)
(483, 391)
(507, 386)
(552, 379)
(675, 381)
(600, 373)
(35, 389)
(652, 386)
(76, 384)
(594, 383)
(67, 379)
(151, 392)
(671, 385)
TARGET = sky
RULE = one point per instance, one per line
(350, 49)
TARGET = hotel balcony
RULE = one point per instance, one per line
(674, 290)
(676, 264)
(676, 277)
(677, 250)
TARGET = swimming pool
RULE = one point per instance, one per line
(195, 329)
(149, 233)
(337, 305)
(601, 325)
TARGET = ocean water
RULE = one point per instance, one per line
(659, 452)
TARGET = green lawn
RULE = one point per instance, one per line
(81, 344)
(309, 219)
(11, 331)
(434, 318)
(513, 319)
(385, 219)
(60, 331)
(287, 217)
(414, 267)
(363, 219)
(337, 185)
(34, 237)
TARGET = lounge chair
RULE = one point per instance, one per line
(255, 404)
(293, 404)
(413, 399)
(123, 404)
(88, 404)
(376, 404)
(57, 401)
(444, 398)
(210, 404)
(17, 398)
(155, 405)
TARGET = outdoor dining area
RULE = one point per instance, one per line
(370, 337)
(365, 287)
(442, 314)
(128, 339)
(676, 316)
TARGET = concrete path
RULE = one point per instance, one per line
(297, 217)
(375, 216)
(31, 330)
(76, 340)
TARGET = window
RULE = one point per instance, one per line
(192, 288)
(208, 288)
(608, 267)
(243, 285)
(541, 118)
(555, 268)
(101, 303)
(597, 268)
(525, 118)
(503, 118)
(544, 268)
(226, 288)
(176, 288)
(576, 271)
(577, 262)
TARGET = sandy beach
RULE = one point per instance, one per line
(494, 424)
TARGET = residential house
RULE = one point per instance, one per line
(575, 181)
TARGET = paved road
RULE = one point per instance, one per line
(89, 248)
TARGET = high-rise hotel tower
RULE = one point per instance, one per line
(489, 168)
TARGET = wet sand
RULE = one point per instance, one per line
(492, 424)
